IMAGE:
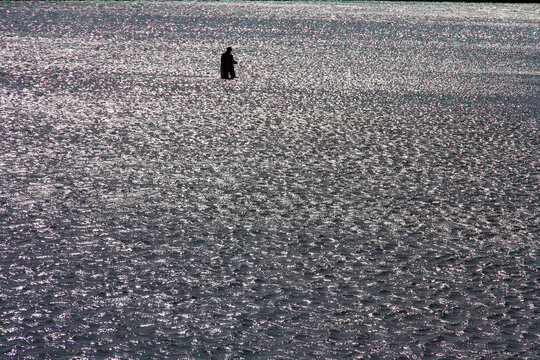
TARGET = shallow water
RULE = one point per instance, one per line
(366, 188)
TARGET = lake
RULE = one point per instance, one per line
(367, 187)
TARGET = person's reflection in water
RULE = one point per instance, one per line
(227, 65)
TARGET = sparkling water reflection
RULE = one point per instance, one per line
(366, 188)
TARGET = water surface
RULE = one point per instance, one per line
(366, 188)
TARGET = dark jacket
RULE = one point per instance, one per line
(227, 60)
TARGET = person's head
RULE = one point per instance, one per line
(229, 49)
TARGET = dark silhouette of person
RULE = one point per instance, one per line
(227, 65)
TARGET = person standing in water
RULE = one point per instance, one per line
(227, 65)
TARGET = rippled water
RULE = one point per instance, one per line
(367, 188)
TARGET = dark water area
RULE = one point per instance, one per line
(367, 187)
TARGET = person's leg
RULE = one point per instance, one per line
(233, 74)
(224, 74)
